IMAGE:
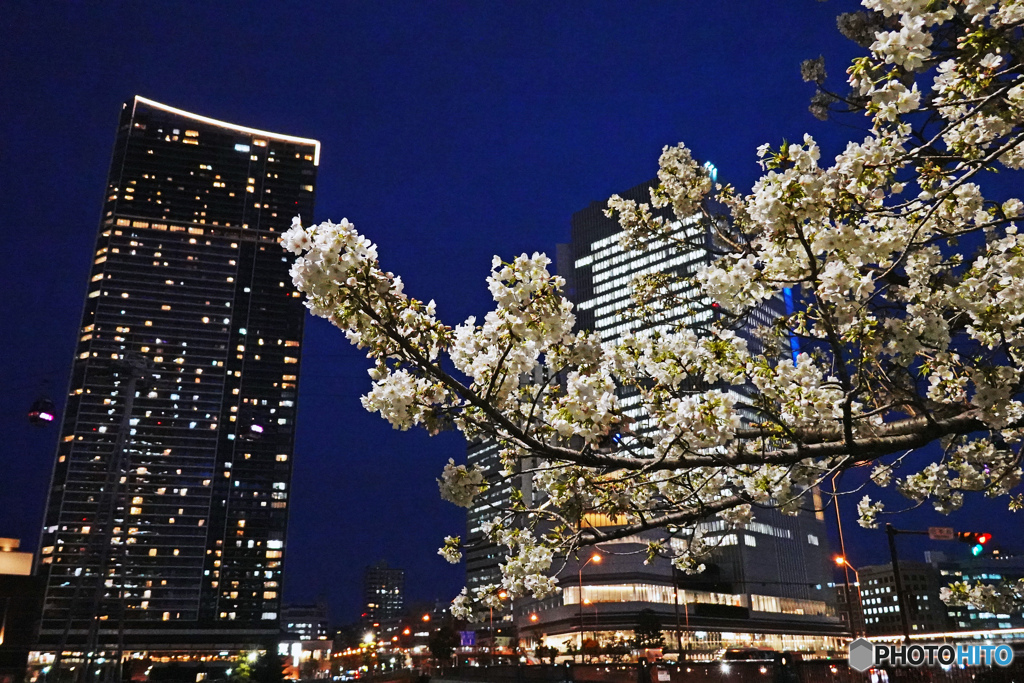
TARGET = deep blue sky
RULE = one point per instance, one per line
(451, 131)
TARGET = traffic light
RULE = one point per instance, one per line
(977, 541)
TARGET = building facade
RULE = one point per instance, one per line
(483, 557)
(383, 595)
(166, 519)
(994, 569)
(926, 613)
(766, 584)
(306, 622)
(21, 596)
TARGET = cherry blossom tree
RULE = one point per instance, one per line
(910, 283)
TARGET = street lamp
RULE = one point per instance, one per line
(842, 562)
(490, 650)
(596, 559)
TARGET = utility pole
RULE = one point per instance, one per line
(679, 633)
(849, 605)
(901, 600)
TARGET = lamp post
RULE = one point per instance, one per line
(595, 558)
(534, 635)
(841, 561)
(490, 650)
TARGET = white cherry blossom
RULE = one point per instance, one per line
(907, 272)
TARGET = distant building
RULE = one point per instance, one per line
(21, 599)
(882, 609)
(482, 556)
(847, 611)
(383, 595)
(166, 520)
(306, 622)
(995, 569)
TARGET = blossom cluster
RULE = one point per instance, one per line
(907, 276)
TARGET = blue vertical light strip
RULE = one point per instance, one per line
(794, 343)
(712, 171)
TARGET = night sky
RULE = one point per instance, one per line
(451, 131)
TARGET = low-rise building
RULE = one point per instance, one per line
(21, 602)
(926, 613)
(306, 622)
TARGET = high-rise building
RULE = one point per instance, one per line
(166, 519)
(766, 583)
(482, 556)
(383, 595)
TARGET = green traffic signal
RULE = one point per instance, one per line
(977, 539)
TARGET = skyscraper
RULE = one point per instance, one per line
(383, 596)
(766, 582)
(166, 519)
(482, 556)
